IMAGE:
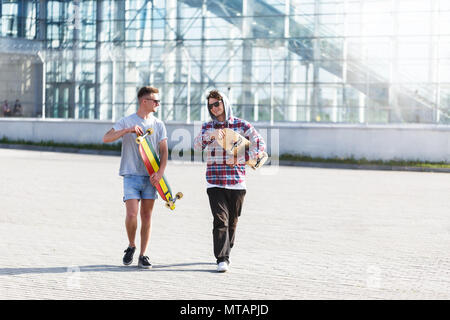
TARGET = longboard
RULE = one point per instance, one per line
(233, 142)
(151, 162)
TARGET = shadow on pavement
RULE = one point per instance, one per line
(181, 267)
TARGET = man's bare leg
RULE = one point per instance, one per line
(132, 207)
(146, 221)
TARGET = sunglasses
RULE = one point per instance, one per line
(215, 104)
(156, 101)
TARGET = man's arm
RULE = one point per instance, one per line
(204, 138)
(113, 135)
(163, 157)
(257, 144)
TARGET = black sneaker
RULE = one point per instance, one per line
(144, 263)
(128, 257)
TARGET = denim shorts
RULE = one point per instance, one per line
(138, 187)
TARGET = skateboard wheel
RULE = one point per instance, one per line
(139, 140)
(170, 205)
(149, 131)
(179, 195)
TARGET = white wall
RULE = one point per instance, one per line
(373, 142)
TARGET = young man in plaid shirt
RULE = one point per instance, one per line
(225, 174)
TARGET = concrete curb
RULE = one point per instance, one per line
(322, 165)
(361, 166)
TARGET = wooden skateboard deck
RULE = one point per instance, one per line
(151, 162)
(234, 143)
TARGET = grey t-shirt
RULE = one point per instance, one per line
(131, 162)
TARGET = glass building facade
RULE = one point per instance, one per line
(327, 61)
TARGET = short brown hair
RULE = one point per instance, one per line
(215, 95)
(146, 90)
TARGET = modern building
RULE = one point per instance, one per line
(332, 61)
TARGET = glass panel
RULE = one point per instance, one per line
(337, 62)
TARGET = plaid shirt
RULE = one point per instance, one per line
(217, 170)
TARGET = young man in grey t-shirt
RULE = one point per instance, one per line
(138, 186)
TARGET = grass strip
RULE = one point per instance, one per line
(363, 161)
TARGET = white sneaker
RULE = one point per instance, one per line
(222, 267)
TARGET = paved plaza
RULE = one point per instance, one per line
(305, 233)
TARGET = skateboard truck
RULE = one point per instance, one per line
(148, 132)
(260, 161)
(170, 203)
(236, 144)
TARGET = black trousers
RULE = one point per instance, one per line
(226, 207)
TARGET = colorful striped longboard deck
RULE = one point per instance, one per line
(151, 162)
